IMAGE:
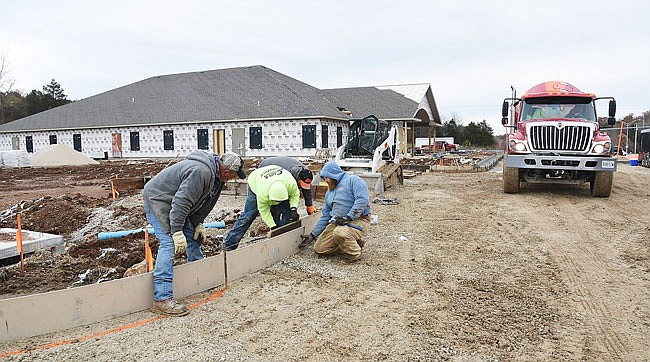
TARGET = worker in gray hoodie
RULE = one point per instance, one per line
(176, 202)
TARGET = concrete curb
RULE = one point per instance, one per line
(32, 315)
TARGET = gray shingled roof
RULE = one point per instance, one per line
(254, 92)
(364, 101)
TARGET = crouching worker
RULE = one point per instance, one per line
(274, 195)
(300, 172)
(346, 214)
(176, 202)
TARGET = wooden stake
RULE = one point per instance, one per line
(620, 134)
(19, 244)
(147, 251)
(114, 190)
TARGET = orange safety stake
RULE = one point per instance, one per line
(19, 244)
(620, 135)
(147, 251)
(114, 190)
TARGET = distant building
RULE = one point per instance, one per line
(253, 111)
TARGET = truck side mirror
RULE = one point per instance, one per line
(504, 113)
(612, 113)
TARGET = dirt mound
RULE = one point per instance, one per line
(53, 215)
(60, 155)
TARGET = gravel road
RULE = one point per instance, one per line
(457, 271)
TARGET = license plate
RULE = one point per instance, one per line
(607, 164)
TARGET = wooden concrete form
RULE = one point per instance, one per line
(37, 314)
(130, 183)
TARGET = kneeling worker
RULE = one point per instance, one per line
(274, 195)
(346, 214)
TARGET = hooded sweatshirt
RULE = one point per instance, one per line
(186, 190)
(350, 197)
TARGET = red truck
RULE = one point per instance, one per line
(440, 146)
(554, 137)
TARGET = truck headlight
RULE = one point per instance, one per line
(518, 146)
(601, 147)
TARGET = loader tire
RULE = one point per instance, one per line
(601, 186)
(510, 179)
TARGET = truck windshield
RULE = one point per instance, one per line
(558, 107)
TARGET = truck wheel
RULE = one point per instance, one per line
(510, 179)
(601, 186)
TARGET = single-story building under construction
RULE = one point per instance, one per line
(253, 111)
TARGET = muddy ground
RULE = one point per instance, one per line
(456, 271)
(77, 203)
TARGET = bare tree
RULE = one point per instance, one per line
(6, 84)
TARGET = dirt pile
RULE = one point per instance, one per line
(60, 155)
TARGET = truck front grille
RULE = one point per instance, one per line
(554, 138)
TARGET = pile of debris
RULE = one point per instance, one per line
(468, 161)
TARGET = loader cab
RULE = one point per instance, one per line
(365, 136)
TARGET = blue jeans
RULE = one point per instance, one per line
(163, 272)
(280, 213)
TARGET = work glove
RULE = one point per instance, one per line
(268, 235)
(294, 215)
(180, 243)
(310, 210)
(342, 220)
(199, 233)
(306, 240)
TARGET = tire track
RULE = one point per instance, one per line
(577, 246)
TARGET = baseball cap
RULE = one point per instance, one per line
(304, 178)
(233, 162)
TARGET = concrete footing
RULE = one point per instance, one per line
(32, 241)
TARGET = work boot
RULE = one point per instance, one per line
(170, 307)
(349, 259)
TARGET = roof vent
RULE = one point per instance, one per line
(343, 110)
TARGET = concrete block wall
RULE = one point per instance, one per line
(279, 138)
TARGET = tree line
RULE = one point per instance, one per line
(15, 104)
(479, 134)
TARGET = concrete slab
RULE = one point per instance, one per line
(32, 241)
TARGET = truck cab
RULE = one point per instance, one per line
(554, 137)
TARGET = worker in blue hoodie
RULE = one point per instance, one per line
(346, 214)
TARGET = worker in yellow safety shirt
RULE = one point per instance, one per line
(274, 195)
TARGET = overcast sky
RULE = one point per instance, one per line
(471, 52)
